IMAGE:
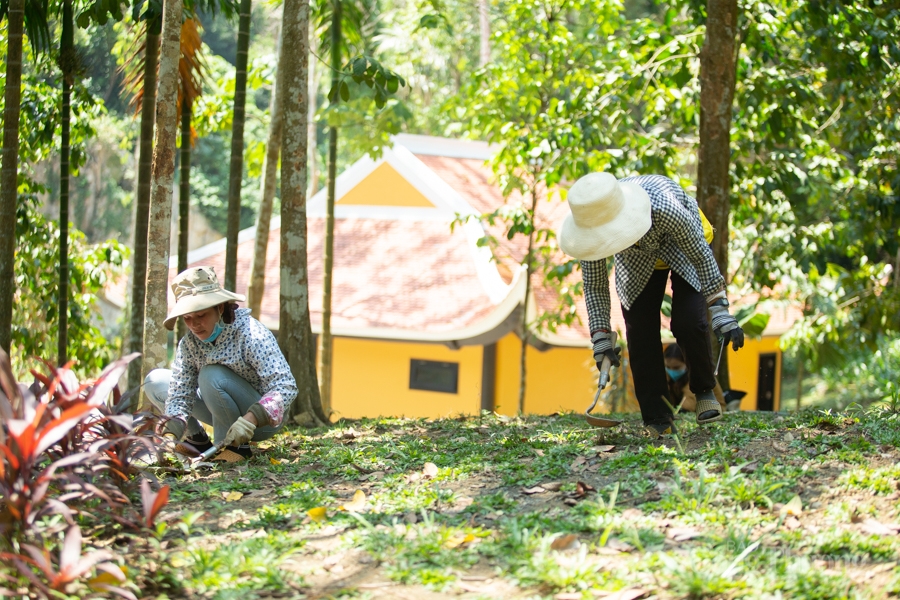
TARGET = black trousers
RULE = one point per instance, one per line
(690, 326)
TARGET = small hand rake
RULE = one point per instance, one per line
(593, 420)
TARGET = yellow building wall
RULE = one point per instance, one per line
(564, 379)
(385, 187)
(371, 379)
(743, 367)
(557, 380)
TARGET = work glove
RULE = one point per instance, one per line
(724, 325)
(240, 432)
(603, 348)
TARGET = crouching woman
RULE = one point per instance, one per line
(228, 373)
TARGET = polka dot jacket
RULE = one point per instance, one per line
(247, 348)
(675, 237)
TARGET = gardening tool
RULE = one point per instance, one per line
(605, 366)
(718, 362)
(206, 455)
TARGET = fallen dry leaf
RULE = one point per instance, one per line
(565, 542)
(357, 504)
(632, 513)
(538, 451)
(567, 596)
(874, 527)
(232, 496)
(682, 534)
(602, 449)
(618, 545)
(582, 489)
(318, 513)
(750, 467)
(794, 507)
(577, 462)
(788, 437)
(552, 486)
(792, 523)
(112, 575)
(430, 470)
(629, 594)
(410, 517)
(534, 490)
(458, 540)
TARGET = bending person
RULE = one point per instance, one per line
(641, 221)
(228, 372)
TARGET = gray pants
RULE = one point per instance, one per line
(222, 398)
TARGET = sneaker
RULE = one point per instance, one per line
(708, 408)
(194, 445)
(656, 431)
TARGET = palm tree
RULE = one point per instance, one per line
(191, 70)
(295, 331)
(163, 180)
(67, 64)
(257, 286)
(236, 169)
(34, 19)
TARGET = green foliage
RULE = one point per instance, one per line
(35, 319)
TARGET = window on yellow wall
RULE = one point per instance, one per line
(433, 376)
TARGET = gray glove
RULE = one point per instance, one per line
(724, 325)
(603, 347)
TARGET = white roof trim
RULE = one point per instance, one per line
(447, 202)
(436, 146)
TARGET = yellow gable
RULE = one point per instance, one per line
(385, 187)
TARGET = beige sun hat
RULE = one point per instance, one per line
(196, 289)
(606, 216)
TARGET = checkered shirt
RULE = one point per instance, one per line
(675, 237)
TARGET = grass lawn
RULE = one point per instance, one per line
(757, 506)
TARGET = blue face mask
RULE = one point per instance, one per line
(216, 331)
(676, 374)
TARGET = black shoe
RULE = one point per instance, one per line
(194, 445)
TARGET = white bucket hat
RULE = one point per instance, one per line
(607, 216)
(196, 289)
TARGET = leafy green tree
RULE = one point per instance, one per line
(36, 320)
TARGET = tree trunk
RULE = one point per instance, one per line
(312, 139)
(9, 169)
(485, 31)
(800, 363)
(529, 268)
(257, 287)
(142, 202)
(717, 80)
(184, 189)
(294, 330)
(326, 344)
(67, 66)
(236, 170)
(162, 186)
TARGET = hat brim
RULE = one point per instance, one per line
(193, 303)
(603, 241)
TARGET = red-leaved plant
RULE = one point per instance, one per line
(70, 567)
(43, 437)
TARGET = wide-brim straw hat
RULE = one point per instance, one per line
(606, 216)
(196, 289)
